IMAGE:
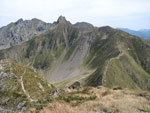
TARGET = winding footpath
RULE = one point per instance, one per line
(106, 68)
(25, 92)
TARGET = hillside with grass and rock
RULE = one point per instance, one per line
(21, 87)
(42, 70)
(95, 56)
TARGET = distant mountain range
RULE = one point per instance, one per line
(143, 33)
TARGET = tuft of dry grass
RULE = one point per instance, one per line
(107, 92)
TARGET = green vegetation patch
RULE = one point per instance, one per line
(77, 97)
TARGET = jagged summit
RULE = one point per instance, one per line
(61, 19)
(21, 31)
(19, 21)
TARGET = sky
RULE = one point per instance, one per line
(132, 14)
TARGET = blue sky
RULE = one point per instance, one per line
(133, 14)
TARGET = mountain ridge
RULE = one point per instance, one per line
(21, 31)
(68, 51)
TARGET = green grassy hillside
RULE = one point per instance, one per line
(127, 68)
(20, 87)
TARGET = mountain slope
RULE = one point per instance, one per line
(125, 69)
(20, 87)
(94, 56)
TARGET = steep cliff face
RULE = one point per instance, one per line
(21, 31)
(94, 56)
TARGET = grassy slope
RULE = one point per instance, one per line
(127, 71)
(11, 90)
(100, 53)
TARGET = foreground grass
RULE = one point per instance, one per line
(77, 97)
(101, 100)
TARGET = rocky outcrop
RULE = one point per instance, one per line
(21, 31)
(61, 19)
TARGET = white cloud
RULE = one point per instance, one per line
(97, 12)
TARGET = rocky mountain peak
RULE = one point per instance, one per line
(61, 19)
(19, 21)
(36, 20)
(21, 31)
